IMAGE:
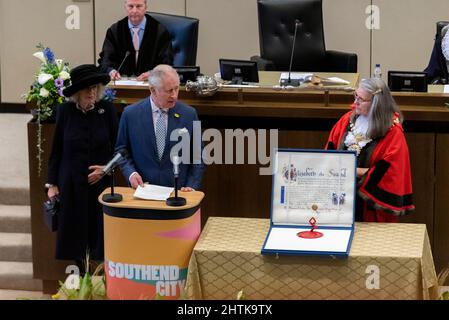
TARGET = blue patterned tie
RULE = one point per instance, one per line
(161, 133)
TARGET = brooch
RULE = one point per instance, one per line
(100, 111)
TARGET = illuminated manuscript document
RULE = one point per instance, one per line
(313, 202)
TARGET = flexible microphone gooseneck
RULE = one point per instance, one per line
(289, 81)
(123, 61)
(109, 168)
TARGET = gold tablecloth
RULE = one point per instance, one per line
(227, 259)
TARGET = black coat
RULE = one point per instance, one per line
(156, 48)
(81, 140)
(437, 69)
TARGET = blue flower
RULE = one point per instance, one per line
(49, 55)
(109, 94)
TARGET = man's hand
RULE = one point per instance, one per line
(187, 189)
(136, 180)
(115, 75)
(144, 76)
(95, 175)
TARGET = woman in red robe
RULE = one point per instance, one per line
(373, 130)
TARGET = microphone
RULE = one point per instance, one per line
(123, 61)
(176, 161)
(114, 162)
(113, 197)
(176, 201)
(295, 82)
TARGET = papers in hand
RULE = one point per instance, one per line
(130, 83)
(153, 192)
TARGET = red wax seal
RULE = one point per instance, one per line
(312, 234)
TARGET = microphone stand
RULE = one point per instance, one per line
(289, 81)
(123, 61)
(112, 197)
(176, 201)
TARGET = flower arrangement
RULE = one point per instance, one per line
(46, 91)
(52, 77)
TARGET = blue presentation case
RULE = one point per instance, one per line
(306, 184)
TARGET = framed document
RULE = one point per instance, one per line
(312, 203)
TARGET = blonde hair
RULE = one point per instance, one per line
(100, 93)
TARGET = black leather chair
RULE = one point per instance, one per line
(276, 30)
(436, 70)
(184, 32)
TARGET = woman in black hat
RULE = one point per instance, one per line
(84, 140)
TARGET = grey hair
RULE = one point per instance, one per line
(100, 93)
(382, 109)
(158, 74)
(143, 0)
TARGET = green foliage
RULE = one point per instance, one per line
(91, 287)
(241, 295)
(445, 295)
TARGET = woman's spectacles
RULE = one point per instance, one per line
(359, 98)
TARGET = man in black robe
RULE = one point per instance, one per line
(135, 44)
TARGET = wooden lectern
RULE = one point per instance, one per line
(147, 245)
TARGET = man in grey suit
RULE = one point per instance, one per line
(145, 129)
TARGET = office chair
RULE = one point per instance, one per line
(276, 31)
(436, 70)
(184, 33)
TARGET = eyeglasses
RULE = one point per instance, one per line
(359, 98)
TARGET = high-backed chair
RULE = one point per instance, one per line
(436, 70)
(184, 33)
(276, 31)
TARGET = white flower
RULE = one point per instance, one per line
(43, 78)
(59, 63)
(40, 56)
(64, 75)
(44, 93)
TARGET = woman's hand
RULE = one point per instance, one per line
(361, 172)
(187, 189)
(52, 192)
(95, 175)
